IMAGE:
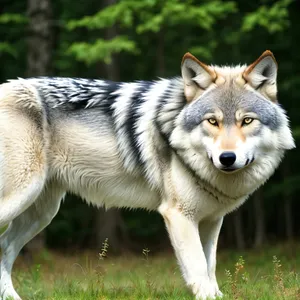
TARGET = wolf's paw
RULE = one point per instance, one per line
(203, 289)
(218, 293)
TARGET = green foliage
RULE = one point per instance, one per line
(121, 13)
(152, 14)
(274, 18)
(101, 50)
(13, 18)
(205, 52)
(7, 48)
(143, 17)
(174, 13)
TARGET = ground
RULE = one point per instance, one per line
(268, 273)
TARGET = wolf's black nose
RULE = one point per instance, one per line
(227, 159)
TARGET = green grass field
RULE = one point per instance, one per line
(270, 273)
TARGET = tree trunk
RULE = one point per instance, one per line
(112, 70)
(39, 51)
(109, 223)
(227, 240)
(161, 54)
(40, 37)
(260, 232)
(287, 202)
(238, 229)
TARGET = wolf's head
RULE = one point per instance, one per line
(232, 119)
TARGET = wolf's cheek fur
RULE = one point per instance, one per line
(285, 138)
(198, 138)
(280, 139)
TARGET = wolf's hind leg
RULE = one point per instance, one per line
(23, 165)
(17, 201)
(21, 230)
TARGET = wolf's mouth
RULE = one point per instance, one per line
(229, 170)
(232, 169)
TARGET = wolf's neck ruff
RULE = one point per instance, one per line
(207, 187)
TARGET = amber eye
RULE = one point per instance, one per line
(247, 121)
(213, 122)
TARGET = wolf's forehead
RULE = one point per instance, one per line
(245, 101)
(229, 102)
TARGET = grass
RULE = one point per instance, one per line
(271, 273)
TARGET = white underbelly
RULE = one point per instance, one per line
(90, 166)
(122, 192)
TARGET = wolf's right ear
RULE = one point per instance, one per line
(262, 75)
(196, 75)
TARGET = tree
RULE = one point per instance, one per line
(287, 200)
(239, 229)
(109, 223)
(39, 58)
(40, 37)
(260, 231)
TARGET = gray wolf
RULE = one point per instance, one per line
(192, 148)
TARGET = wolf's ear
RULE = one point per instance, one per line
(262, 75)
(196, 75)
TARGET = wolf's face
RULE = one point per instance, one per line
(235, 126)
(233, 118)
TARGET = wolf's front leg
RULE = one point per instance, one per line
(184, 235)
(209, 233)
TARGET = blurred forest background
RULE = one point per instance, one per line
(128, 40)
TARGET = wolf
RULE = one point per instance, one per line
(192, 147)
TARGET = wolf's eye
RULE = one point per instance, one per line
(213, 121)
(247, 121)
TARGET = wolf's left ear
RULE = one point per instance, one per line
(196, 75)
(262, 75)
